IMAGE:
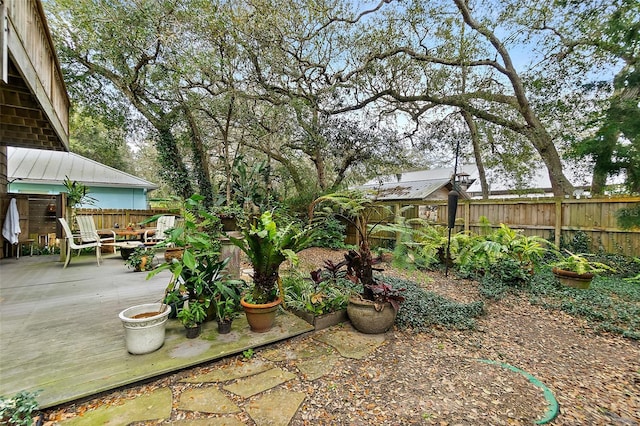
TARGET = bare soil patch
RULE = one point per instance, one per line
(436, 378)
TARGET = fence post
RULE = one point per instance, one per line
(396, 213)
(558, 230)
(467, 216)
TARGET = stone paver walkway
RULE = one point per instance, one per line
(255, 387)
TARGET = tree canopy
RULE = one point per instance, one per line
(327, 93)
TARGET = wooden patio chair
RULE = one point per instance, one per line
(163, 224)
(89, 233)
(72, 245)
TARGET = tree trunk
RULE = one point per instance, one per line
(477, 153)
(200, 160)
(172, 169)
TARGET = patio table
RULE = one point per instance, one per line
(127, 236)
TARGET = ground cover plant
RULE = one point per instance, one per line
(423, 309)
(506, 262)
(612, 303)
(18, 410)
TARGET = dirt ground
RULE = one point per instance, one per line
(437, 377)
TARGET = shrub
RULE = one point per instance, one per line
(504, 243)
(18, 410)
(579, 243)
(331, 233)
(502, 276)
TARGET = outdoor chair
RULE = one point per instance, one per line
(72, 245)
(89, 233)
(163, 224)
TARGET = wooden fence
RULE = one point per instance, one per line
(554, 219)
(108, 218)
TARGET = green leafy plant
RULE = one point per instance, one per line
(421, 245)
(198, 231)
(200, 273)
(193, 313)
(423, 309)
(248, 354)
(359, 208)
(482, 252)
(331, 233)
(225, 297)
(611, 305)
(503, 277)
(141, 259)
(629, 218)
(267, 246)
(581, 264)
(77, 193)
(19, 409)
(315, 296)
(635, 279)
(225, 309)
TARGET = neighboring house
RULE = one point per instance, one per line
(36, 171)
(422, 185)
(538, 186)
(432, 184)
(435, 184)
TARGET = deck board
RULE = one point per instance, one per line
(60, 333)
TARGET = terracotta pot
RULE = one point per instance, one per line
(173, 253)
(573, 279)
(261, 317)
(370, 317)
(146, 263)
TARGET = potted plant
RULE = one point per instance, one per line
(141, 259)
(322, 299)
(225, 311)
(192, 315)
(200, 275)
(576, 270)
(373, 310)
(225, 298)
(267, 246)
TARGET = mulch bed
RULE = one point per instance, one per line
(436, 378)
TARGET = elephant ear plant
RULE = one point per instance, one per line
(267, 245)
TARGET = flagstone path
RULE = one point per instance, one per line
(262, 382)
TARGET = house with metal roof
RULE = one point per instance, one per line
(538, 185)
(36, 171)
(420, 185)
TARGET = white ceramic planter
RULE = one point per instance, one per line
(144, 335)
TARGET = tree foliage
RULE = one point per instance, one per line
(330, 92)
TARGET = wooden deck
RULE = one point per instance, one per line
(60, 333)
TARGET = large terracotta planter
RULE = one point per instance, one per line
(370, 317)
(572, 279)
(144, 327)
(171, 253)
(261, 317)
